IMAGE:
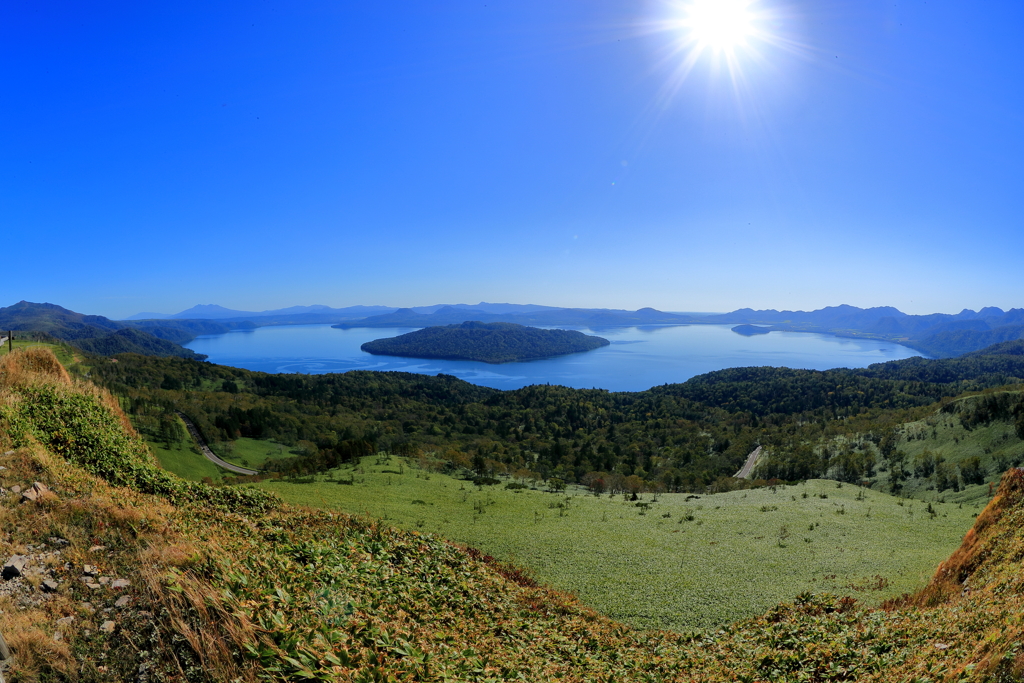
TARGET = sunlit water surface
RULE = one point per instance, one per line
(637, 359)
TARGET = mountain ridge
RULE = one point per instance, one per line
(939, 335)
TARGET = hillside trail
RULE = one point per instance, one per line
(748, 466)
(210, 454)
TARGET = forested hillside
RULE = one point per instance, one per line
(487, 342)
(683, 437)
(96, 334)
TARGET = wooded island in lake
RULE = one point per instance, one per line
(487, 342)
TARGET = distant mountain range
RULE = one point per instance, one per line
(939, 335)
(297, 315)
(94, 333)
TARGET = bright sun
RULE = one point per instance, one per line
(719, 24)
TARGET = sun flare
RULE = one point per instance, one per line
(719, 24)
(729, 36)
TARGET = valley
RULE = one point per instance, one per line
(672, 561)
(287, 592)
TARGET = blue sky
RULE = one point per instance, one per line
(259, 155)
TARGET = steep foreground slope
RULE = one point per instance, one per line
(128, 574)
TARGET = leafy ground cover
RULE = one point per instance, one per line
(680, 562)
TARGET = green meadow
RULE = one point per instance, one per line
(253, 453)
(186, 462)
(680, 562)
(996, 445)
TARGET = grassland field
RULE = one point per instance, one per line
(683, 562)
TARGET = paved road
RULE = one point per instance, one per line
(748, 466)
(210, 454)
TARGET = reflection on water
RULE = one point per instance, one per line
(638, 358)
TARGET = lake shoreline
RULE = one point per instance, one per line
(637, 358)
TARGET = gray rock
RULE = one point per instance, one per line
(49, 586)
(14, 566)
(59, 542)
(108, 626)
(65, 621)
(90, 570)
(93, 586)
(104, 580)
(123, 601)
(35, 492)
(16, 489)
(120, 583)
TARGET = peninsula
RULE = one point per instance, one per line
(487, 342)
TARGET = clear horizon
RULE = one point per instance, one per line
(608, 154)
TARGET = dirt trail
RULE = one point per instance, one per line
(210, 454)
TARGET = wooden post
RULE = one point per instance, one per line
(5, 652)
(10, 341)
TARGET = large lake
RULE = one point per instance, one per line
(637, 359)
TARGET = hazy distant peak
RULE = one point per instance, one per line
(148, 315)
(210, 311)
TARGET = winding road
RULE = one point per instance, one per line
(748, 466)
(210, 454)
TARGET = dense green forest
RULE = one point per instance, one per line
(680, 437)
(487, 342)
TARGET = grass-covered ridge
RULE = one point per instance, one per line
(301, 595)
(75, 420)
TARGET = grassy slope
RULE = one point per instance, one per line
(653, 568)
(185, 462)
(292, 595)
(254, 453)
(63, 353)
(996, 444)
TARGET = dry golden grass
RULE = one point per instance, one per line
(34, 648)
(27, 367)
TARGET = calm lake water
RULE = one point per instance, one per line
(637, 359)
